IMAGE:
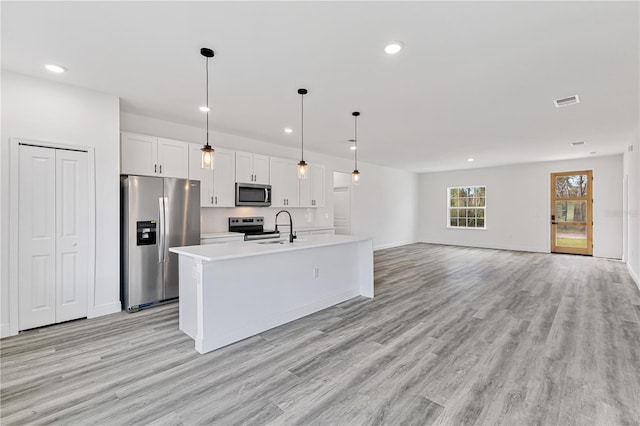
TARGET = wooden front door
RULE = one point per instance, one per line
(571, 212)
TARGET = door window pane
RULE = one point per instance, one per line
(571, 186)
(571, 211)
(571, 236)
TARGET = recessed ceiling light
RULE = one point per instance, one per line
(288, 130)
(578, 143)
(55, 68)
(471, 160)
(569, 100)
(394, 47)
(205, 109)
(593, 153)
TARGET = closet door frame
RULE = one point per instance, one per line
(14, 173)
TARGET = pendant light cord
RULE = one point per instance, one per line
(207, 97)
(356, 140)
(302, 126)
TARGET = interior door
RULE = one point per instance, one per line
(72, 230)
(37, 237)
(53, 235)
(571, 212)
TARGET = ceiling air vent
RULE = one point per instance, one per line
(567, 101)
(577, 143)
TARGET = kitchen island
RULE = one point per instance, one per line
(232, 291)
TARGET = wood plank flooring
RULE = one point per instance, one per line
(454, 336)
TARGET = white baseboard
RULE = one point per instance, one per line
(633, 275)
(5, 331)
(491, 246)
(392, 245)
(109, 308)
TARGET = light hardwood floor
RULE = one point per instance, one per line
(454, 336)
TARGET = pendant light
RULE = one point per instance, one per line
(302, 165)
(355, 175)
(207, 150)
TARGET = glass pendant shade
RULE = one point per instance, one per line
(207, 157)
(303, 169)
(355, 177)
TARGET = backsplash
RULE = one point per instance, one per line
(217, 219)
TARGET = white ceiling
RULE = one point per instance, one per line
(476, 79)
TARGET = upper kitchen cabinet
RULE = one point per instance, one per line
(152, 156)
(252, 168)
(205, 176)
(224, 178)
(284, 182)
(312, 188)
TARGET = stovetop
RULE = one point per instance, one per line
(252, 227)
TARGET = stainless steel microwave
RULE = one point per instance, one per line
(252, 194)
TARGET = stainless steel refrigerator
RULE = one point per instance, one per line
(156, 214)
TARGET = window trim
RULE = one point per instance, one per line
(449, 188)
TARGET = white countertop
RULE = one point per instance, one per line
(221, 235)
(238, 249)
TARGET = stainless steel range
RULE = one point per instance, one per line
(252, 228)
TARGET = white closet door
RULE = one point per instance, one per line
(72, 229)
(37, 237)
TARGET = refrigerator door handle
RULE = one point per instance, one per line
(167, 223)
(161, 233)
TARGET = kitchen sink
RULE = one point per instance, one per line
(271, 242)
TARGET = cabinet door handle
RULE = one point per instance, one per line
(216, 198)
(160, 168)
(212, 199)
(155, 168)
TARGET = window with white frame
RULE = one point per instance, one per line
(466, 207)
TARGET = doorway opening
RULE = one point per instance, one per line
(342, 203)
(571, 212)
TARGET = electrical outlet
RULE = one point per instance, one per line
(316, 272)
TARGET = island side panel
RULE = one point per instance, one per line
(365, 270)
(246, 296)
(187, 276)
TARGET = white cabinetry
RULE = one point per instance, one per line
(224, 173)
(284, 183)
(312, 188)
(152, 156)
(252, 168)
(196, 172)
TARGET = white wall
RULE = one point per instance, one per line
(46, 111)
(518, 205)
(384, 204)
(632, 176)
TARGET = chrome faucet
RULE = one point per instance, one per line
(291, 234)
